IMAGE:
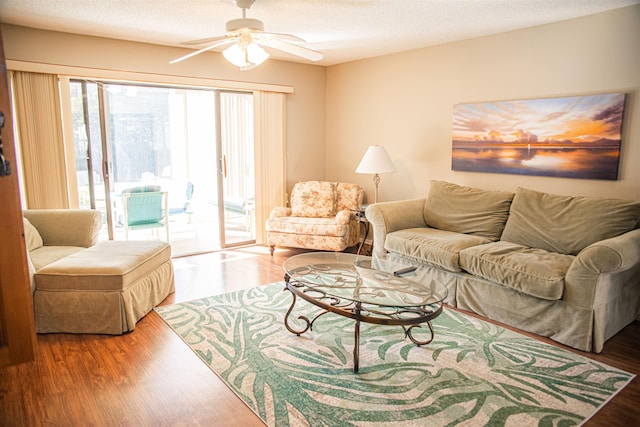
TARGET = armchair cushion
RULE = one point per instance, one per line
(349, 196)
(310, 226)
(315, 199)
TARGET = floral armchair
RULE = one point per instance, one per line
(321, 216)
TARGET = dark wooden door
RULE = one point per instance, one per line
(17, 325)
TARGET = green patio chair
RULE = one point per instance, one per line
(145, 207)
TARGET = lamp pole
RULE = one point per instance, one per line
(376, 181)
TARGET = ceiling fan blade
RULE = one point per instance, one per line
(293, 49)
(289, 38)
(203, 41)
(219, 43)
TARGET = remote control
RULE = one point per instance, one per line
(404, 271)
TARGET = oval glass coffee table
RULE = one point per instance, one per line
(364, 289)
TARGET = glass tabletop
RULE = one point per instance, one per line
(361, 279)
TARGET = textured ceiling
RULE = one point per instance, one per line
(344, 30)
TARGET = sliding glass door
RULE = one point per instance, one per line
(237, 168)
(191, 144)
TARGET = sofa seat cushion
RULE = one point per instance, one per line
(532, 271)
(109, 265)
(46, 255)
(309, 226)
(567, 224)
(436, 247)
(467, 210)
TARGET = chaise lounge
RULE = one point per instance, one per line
(81, 285)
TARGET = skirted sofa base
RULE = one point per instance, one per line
(104, 289)
(583, 328)
(562, 267)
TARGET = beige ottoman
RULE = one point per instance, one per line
(104, 289)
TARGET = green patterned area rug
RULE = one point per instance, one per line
(473, 373)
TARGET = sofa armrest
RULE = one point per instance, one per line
(280, 211)
(387, 217)
(602, 268)
(66, 227)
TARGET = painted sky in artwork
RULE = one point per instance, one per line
(579, 120)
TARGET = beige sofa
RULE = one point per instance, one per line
(563, 267)
(81, 285)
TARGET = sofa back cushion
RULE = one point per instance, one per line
(349, 196)
(315, 199)
(467, 210)
(566, 224)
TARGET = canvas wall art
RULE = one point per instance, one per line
(571, 137)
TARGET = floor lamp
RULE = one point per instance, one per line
(376, 161)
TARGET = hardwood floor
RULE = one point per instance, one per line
(149, 377)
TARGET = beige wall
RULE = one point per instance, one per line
(305, 106)
(405, 101)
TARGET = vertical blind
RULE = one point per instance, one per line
(44, 169)
(39, 129)
(270, 154)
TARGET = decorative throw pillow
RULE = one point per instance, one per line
(32, 238)
(567, 224)
(349, 196)
(315, 199)
(467, 210)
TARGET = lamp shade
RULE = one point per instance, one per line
(376, 161)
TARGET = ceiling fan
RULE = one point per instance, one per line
(245, 37)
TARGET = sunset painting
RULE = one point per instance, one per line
(573, 137)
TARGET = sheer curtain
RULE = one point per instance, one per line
(39, 124)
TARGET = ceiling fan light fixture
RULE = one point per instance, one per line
(245, 36)
(245, 54)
